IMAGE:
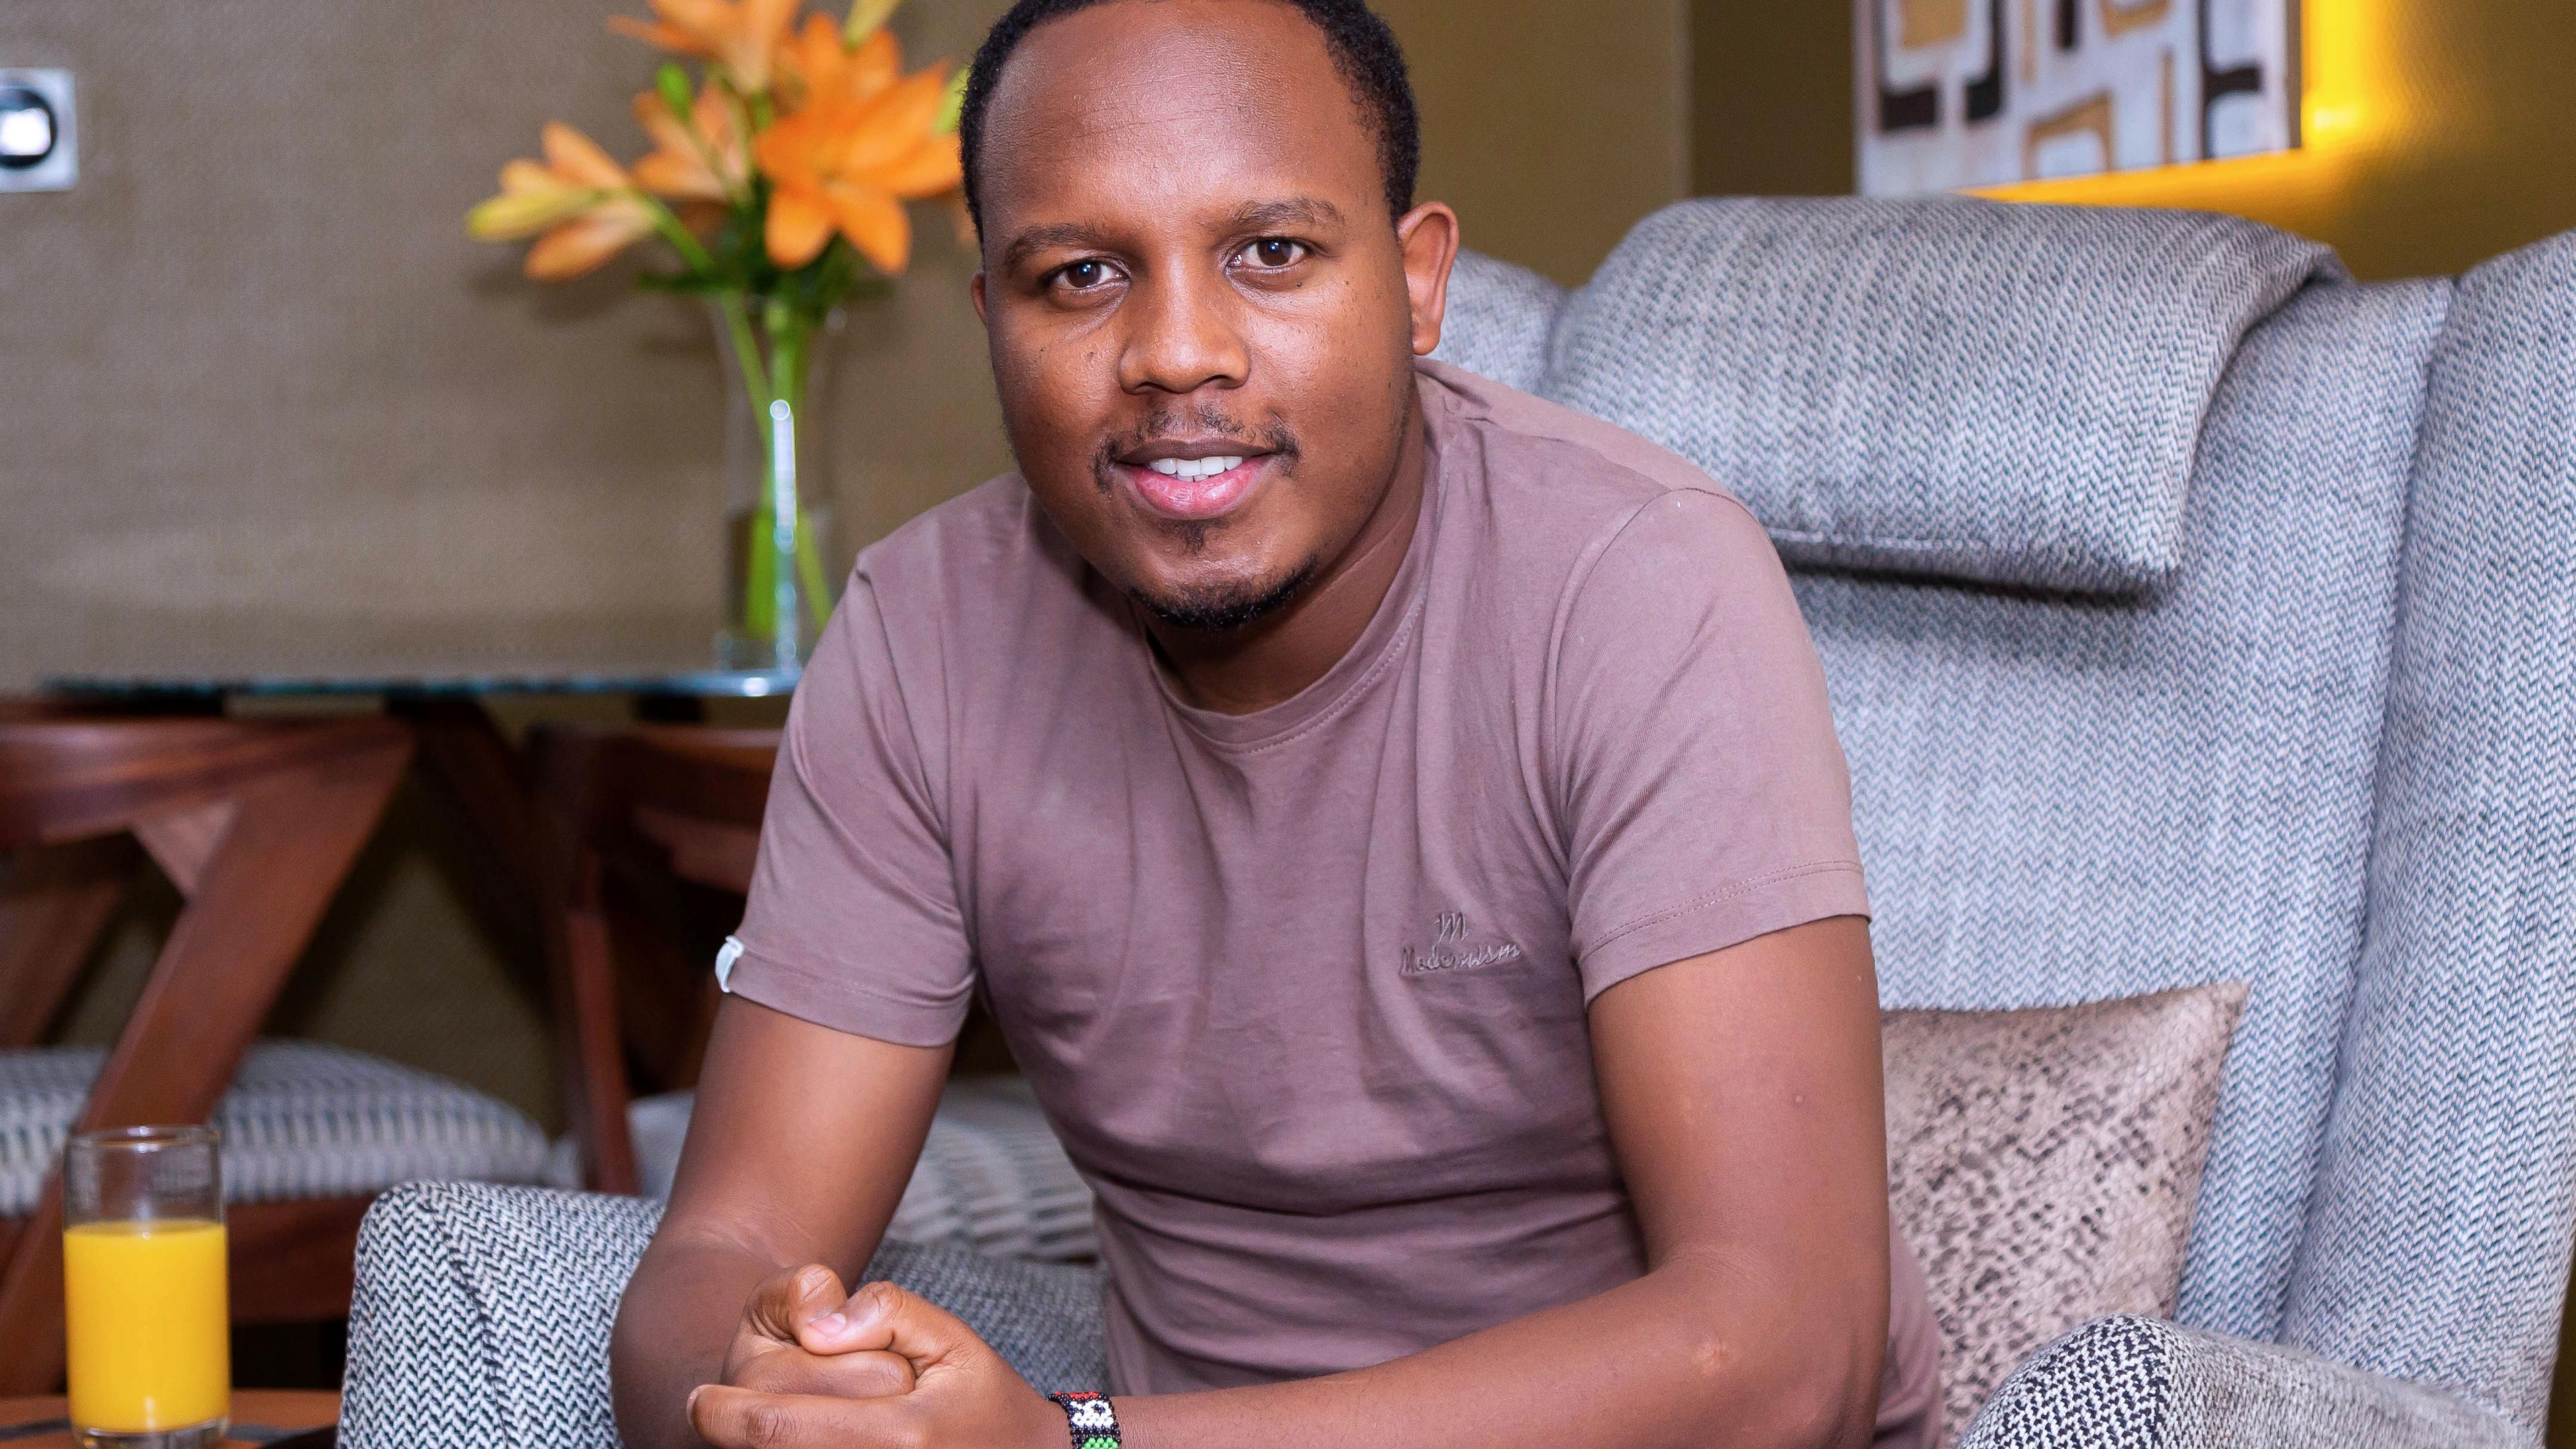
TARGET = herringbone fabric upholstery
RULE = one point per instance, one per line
(2065, 800)
(1498, 320)
(2438, 1244)
(1935, 385)
(482, 1315)
(993, 1178)
(2138, 1383)
(301, 1120)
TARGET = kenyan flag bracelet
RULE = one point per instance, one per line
(1093, 1422)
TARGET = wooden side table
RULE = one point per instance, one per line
(273, 1418)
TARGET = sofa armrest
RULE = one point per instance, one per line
(2143, 1383)
(482, 1315)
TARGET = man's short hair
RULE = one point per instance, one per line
(1362, 47)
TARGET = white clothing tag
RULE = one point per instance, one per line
(726, 955)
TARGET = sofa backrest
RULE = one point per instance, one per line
(2437, 1236)
(2100, 785)
(1499, 319)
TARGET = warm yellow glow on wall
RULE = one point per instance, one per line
(2355, 103)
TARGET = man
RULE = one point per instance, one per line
(1396, 823)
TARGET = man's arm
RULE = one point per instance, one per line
(799, 1146)
(1744, 1100)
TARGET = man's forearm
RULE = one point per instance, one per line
(1658, 1362)
(678, 1315)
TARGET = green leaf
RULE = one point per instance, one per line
(673, 83)
(866, 17)
(952, 102)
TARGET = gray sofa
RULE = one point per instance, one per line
(2190, 612)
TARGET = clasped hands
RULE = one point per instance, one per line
(816, 1367)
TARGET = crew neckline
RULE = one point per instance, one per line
(1389, 629)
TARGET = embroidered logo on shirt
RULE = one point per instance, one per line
(1450, 951)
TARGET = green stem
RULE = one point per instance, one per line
(682, 241)
(746, 351)
(784, 378)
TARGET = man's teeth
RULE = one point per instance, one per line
(1191, 470)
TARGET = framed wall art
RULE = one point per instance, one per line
(1957, 93)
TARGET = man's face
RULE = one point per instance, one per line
(1197, 303)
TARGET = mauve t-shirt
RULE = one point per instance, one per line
(1304, 990)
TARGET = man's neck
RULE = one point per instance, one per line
(1267, 662)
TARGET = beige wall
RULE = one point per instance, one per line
(263, 403)
(1552, 125)
(1771, 106)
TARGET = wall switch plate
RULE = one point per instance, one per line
(39, 135)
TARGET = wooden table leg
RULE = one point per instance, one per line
(478, 781)
(259, 897)
(55, 902)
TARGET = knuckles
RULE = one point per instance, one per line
(878, 1297)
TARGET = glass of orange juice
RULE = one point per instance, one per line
(143, 1288)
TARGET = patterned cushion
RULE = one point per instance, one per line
(2044, 1162)
(482, 1315)
(992, 1176)
(1498, 320)
(2134, 1383)
(1935, 385)
(301, 1120)
(2068, 800)
(2437, 1244)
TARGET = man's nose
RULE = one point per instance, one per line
(1181, 335)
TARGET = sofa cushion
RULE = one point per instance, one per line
(992, 1176)
(1498, 320)
(2043, 1163)
(301, 1120)
(482, 1315)
(2065, 799)
(1934, 385)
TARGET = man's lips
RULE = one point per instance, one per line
(1192, 500)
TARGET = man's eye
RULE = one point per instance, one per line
(1273, 252)
(1083, 276)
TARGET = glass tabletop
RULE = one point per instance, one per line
(428, 681)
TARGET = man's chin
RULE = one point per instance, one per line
(1224, 608)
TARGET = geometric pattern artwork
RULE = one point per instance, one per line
(1957, 93)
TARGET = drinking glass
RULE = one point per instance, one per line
(143, 1288)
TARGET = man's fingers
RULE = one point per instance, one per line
(785, 1302)
(787, 1369)
(732, 1418)
(883, 1316)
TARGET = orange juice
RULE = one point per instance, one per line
(145, 1319)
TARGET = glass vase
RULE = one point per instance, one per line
(777, 588)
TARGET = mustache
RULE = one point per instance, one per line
(1201, 420)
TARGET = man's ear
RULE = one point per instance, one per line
(975, 289)
(1428, 235)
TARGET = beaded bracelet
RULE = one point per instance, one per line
(1093, 1423)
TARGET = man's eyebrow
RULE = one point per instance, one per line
(1058, 234)
(1251, 216)
(1287, 211)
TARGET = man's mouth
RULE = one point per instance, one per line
(1192, 483)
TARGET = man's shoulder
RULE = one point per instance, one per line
(994, 523)
(1563, 486)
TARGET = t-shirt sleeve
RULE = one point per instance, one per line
(1703, 795)
(853, 921)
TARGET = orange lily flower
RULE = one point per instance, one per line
(823, 67)
(741, 36)
(583, 202)
(846, 166)
(700, 159)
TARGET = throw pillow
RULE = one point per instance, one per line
(2044, 1164)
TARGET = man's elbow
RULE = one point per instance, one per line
(1812, 1385)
